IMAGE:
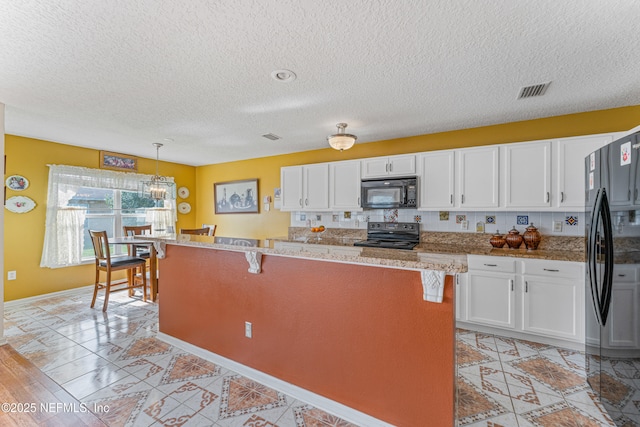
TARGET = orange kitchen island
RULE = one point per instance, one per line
(344, 330)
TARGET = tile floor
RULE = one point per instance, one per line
(114, 364)
(508, 382)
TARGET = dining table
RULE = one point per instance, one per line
(132, 242)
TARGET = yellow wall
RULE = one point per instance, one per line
(24, 233)
(29, 157)
(267, 169)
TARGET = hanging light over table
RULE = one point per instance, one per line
(341, 141)
(159, 187)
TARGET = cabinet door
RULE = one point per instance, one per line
(436, 179)
(478, 177)
(619, 175)
(344, 185)
(291, 188)
(375, 167)
(402, 165)
(528, 174)
(570, 166)
(553, 307)
(316, 187)
(491, 299)
(622, 323)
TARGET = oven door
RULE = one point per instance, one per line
(377, 195)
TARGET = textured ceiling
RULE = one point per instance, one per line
(123, 74)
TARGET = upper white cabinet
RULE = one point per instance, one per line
(437, 179)
(478, 177)
(380, 167)
(344, 185)
(527, 172)
(569, 170)
(305, 187)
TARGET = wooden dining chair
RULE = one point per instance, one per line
(138, 230)
(105, 262)
(202, 231)
(212, 229)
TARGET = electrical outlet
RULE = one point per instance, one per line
(11, 275)
(248, 330)
(464, 225)
(557, 226)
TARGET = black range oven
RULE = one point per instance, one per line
(391, 235)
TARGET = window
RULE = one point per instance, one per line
(82, 199)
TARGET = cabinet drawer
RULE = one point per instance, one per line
(625, 274)
(488, 263)
(553, 268)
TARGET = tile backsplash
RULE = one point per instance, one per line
(548, 223)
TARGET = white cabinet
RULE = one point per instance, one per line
(553, 301)
(621, 330)
(528, 297)
(344, 185)
(527, 172)
(478, 177)
(305, 187)
(437, 179)
(490, 296)
(380, 167)
(569, 170)
(460, 296)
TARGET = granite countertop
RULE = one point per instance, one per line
(558, 255)
(391, 258)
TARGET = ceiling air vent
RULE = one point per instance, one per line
(533, 90)
(272, 136)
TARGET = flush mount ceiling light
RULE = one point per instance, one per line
(159, 187)
(341, 141)
(284, 76)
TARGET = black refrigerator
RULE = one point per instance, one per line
(612, 294)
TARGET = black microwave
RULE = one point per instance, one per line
(389, 193)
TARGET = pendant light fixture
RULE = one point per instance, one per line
(159, 187)
(341, 141)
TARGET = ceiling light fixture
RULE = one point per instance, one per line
(159, 187)
(341, 141)
(284, 76)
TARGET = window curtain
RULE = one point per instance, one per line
(64, 225)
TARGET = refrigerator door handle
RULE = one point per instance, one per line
(608, 257)
(592, 254)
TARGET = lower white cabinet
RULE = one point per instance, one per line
(532, 297)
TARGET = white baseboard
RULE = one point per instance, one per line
(82, 289)
(321, 402)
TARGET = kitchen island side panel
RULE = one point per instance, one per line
(359, 335)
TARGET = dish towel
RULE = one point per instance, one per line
(159, 249)
(433, 285)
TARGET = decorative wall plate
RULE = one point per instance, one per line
(184, 208)
(183, 192)
(17, 182)
(20, 204)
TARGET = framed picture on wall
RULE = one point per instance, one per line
(234, 197)
(116, 161)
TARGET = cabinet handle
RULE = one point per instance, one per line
(636, 194)
(390, 167)
(462, 199)
(386, 167)
(561, 196)
(306, 202)
(491, 265)
(547, 197)
(526, 286)
(358, 201)
(451, 199)
(629, 194)
(621, 275)
(300, 202)
(511, 283)
(551, 270)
